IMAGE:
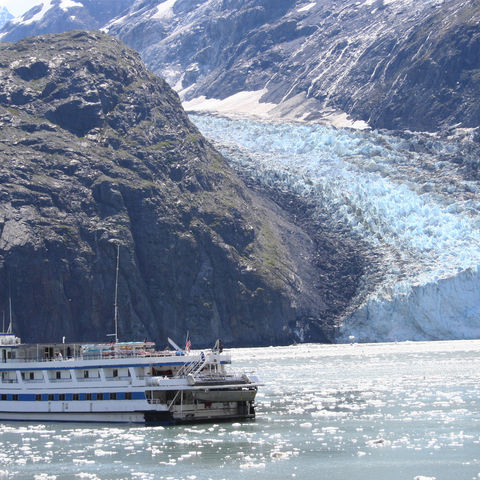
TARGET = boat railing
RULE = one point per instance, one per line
(221, 377)
(195, 366)
(106, 356)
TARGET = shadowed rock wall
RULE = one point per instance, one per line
(96, 151)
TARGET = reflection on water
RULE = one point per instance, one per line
(393, 411)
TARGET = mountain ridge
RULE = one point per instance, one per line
(5, 16)
(395, 65)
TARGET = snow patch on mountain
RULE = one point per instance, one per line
(415, 207)
(26, 19)
(247, 103)
(164, 10)
(67, 4)
(307, 7)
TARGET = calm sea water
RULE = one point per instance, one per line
(381, 411)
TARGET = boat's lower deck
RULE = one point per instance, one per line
(159, 415)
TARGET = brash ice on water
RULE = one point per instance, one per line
(398, 411)
(414, 198)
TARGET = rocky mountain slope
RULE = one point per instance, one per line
(96, 152)
(392, 64)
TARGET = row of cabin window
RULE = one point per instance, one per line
(50, 397)
(58, 375)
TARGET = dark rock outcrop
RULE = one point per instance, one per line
(95, 152)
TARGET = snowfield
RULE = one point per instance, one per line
(411, 198)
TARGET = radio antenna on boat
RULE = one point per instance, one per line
(10, 325)
(115, 316)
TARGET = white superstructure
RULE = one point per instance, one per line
(119, 382)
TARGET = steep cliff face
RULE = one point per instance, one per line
(397, 64)
(96, 152)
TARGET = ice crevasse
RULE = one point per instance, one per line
(402, 194)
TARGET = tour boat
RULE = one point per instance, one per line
(127, 382)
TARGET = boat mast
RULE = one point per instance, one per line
(10, 312)
(116, 294)
(115, 315)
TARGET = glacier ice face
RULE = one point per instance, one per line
(448, 308)
(413, 197)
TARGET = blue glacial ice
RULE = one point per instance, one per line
(401, 194)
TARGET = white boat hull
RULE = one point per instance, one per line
(100, 417)
(119, 383)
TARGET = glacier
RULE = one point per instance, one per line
(413, 197)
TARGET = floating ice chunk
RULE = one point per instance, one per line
(252, 465)
(306, 425)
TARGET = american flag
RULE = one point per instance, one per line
(188, 344)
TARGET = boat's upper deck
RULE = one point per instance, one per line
(13, 351)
